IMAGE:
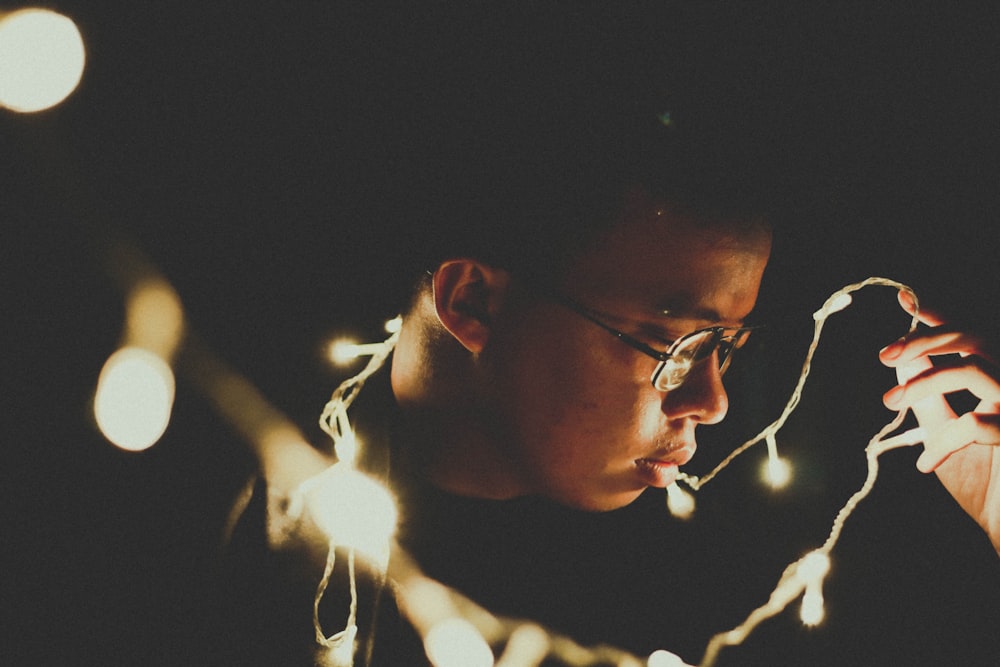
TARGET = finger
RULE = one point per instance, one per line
(932, 342)
(970, 428)
(933, 410)
(969, 375)
(926, 316)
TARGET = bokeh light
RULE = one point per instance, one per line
(455, 642)
(352, 510)
(41, 59)
(135, 395)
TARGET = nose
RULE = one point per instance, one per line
(701, 397)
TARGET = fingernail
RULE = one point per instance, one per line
(891, 351)
(906, 300)
(893, 396)
(925, 463)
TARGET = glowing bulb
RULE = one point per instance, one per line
(41, 59)
(346, 446)
(812, 612)
(528, 644)
(135, 394)
(679, 502)
(811, 570)
(834, 304)
(343, 352)
(813, 566)
(155, 318)
(663, 658)
(777, 472)
(340, 653)
(394, 325)
(454, 642)
(352, 510)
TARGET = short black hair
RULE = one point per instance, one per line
(518, 159)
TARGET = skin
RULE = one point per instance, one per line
(961, 450)
(544, 402)
(512, 395)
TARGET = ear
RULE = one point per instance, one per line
(467, 296)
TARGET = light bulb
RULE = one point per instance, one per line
(812, 612)
(777, 472)
(41, 59)
(663, 658)
(455, 642)
(679, 502)
(352, 510)
(135, 395)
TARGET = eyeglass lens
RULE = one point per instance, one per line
(695, 347)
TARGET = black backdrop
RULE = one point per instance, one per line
(246, 149)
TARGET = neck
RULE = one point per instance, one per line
(454, 455)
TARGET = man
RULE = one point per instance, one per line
(570, 331)
(572, 378)
(558, 389)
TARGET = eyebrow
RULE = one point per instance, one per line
(684, 310)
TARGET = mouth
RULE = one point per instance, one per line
(660, 470)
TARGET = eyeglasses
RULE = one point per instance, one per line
(682, 354)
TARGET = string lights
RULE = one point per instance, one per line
(357, 514)
(455, 641)
(41, 59)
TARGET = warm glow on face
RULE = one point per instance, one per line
(135, 394)
(41, 59)
(455, 642)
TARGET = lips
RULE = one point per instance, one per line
(677, 455)
(660, 470)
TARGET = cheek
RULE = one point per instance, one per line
(585, 404)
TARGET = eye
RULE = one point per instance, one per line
(657, 336)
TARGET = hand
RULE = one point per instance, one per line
(963, 450)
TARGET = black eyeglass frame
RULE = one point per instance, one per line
(735, 335)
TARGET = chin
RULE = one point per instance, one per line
(599, 502)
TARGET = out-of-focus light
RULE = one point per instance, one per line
(663, 658)
(394, 325)
(527, 646)
(776, 472)
(812, 611)
(813, 567)
(347, 446)
(679, 502)
(154, 317)
(352, 510)
(41, 59)
(344, 351)
(455, 642)
(135, 395)
(811, 570)
(341, 653)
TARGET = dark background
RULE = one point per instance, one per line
(260, 154)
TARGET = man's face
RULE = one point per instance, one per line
(582, 421)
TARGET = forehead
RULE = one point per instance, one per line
(657, 259)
